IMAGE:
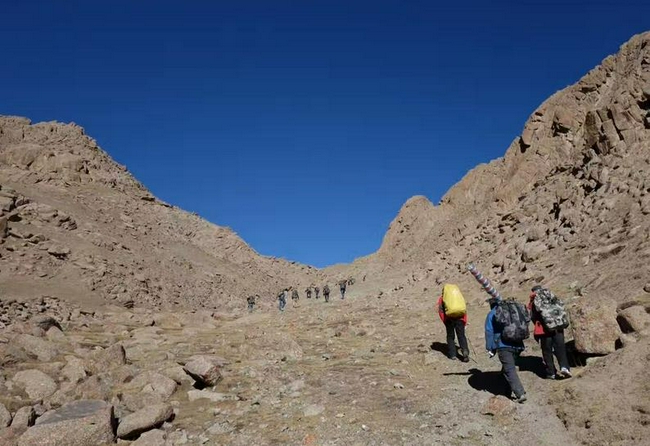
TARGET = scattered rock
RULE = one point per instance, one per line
(46, 322)
(80, 423)
(398, 385)
(106, 359)
(155, 437)
(24, 418)
(60, 252)
(313, 410)
(203, 371)
(194, 395)
(44, 350)
(5, 416)
(633, 319)
(37, 384)
(177, 374)
(74, 370)
(498, 406)
(143, 420)
(153, 382)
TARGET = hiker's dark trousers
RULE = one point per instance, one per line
(456, 327)
(251, 307)
(507, 356)
(554, 343)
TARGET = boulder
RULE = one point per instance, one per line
(24, 418)
(5, 416)
(80, 423)
(106, 359)
(203, 371)
(74, 370)
(153, 382)
(533, 251)
(36, 384)
(43, 350)
(177, 374)
(594, 325)
(498, 406)
(155, 437)
(633, 319)
(143, 420)
(60, 252)
(55, 334)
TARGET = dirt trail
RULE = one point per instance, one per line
(362, 371)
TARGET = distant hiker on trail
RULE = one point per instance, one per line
(251, 303)
(453, 313)
(342, 286)
(504, 336)
(316, 291)
(295, 296)
(550, 319)
(326, 292)
(282, 299)
(308, 292)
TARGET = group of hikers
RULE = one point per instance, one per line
(506, 328)
(295, 295)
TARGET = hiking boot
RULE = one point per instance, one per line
(550, 377)
(453, 358)
(464, 358)
(521, 399)
(565, 373)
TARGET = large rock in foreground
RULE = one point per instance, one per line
(143, 420)
(595, 329)
(81, 423)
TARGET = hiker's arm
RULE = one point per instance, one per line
(441, 310)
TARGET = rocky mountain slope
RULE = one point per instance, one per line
(75, 224)
(155, 364)
(569, 201)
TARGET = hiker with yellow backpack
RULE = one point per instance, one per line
(453, 313)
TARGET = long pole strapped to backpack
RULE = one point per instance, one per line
(485, 283)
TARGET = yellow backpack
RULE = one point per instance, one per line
(454, 301)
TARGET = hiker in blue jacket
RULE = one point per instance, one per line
(507, 352)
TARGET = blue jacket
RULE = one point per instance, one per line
(493, 335)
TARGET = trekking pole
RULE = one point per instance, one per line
(473, 351)
(485, 283)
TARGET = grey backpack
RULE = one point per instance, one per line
(514, 318)
(551, 310)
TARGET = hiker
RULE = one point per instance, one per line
(508, 350)
(308, 292)
(342, 286)
(550, 319)
(295, 296)
(326, 292)
(453, 313)
(316, 291)
(282, 299)
(251, 303)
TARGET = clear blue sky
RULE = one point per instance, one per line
(302, 125)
